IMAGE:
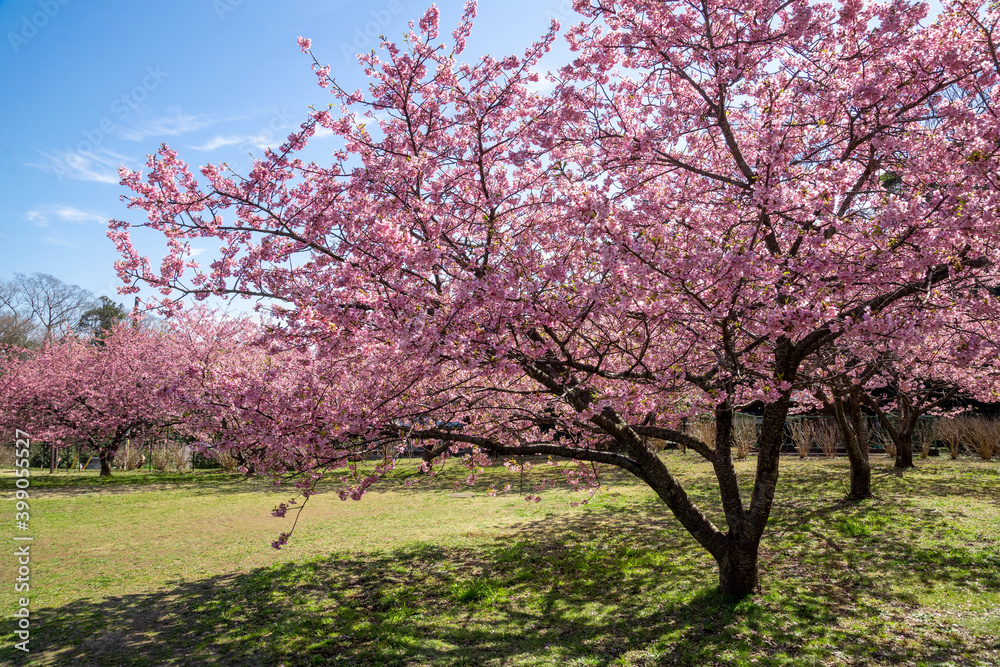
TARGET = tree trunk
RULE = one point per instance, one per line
(737, 558)
(106, 458)
(855, 434)
(861, 480)
(904, 451)
(738, 576)
(901, 434)
(738, 569)
(904, 434)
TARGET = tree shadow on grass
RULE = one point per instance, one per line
(601, 586)
(931, 478)
(197, 483)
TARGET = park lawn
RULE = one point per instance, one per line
(176, 569)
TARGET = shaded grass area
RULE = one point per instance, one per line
(911, 577)
(88, 481)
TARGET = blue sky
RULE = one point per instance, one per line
(89, 86)
(93, 84)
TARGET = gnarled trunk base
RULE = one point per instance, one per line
(738, 572)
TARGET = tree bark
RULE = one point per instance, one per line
(738, 568)
(904, 434)
(106, 458)
(861, 480)
(772, 437)
(737, 558)
(855, 433)
(904, 451)
(725, 472)
(901, 434)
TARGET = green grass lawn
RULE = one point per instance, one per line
(153, 569)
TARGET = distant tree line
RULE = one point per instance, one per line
(37, 307)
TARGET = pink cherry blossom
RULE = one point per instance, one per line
(708, 201)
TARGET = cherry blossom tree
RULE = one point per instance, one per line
(904, 382)
(899, 382)
(697, 209)
(837, 388)
(242, 396)
(71, 391)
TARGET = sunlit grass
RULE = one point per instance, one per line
(177, 569)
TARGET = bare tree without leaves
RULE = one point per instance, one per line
(15, 330)
(50, 302)
(15, 325)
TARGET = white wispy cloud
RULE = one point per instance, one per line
(260, 140)
(37, 218)
(164, 126)
(99, 165)
(42, 216)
